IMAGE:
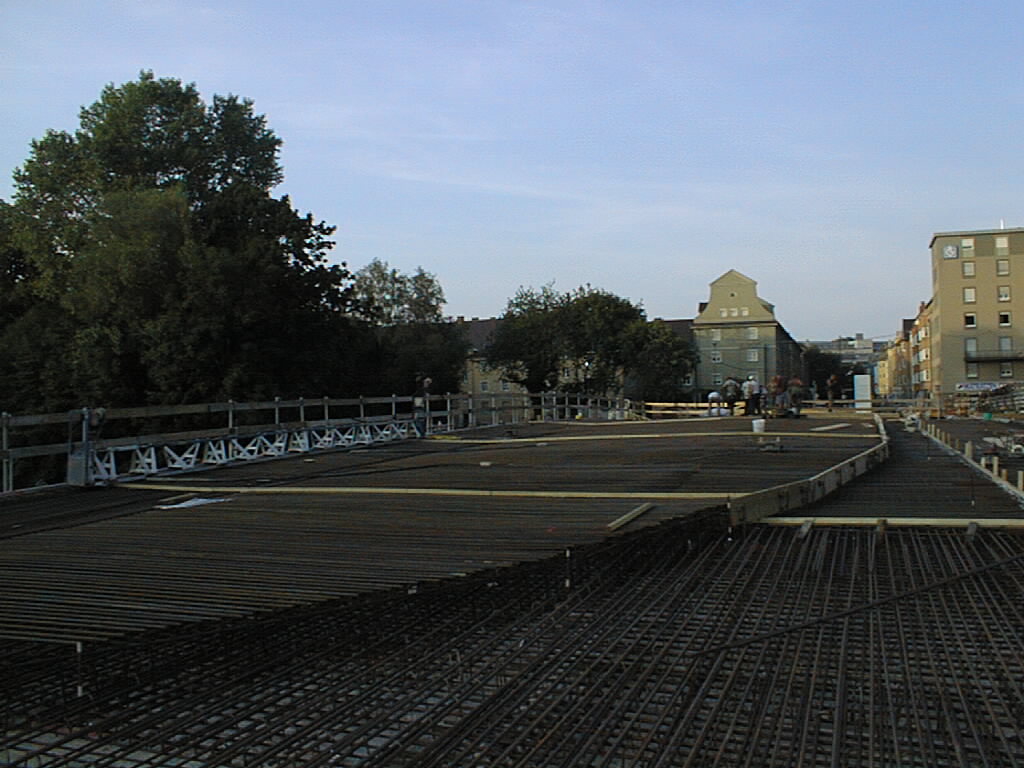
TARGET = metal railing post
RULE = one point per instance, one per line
(5, 445)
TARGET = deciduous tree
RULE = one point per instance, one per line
(151, 236)
(602, 341)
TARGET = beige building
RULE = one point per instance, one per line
(894, 366)
(977, 310)
(895, 373)
(920, 352)
(737, 334)
(478, 378)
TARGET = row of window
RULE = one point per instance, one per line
(1005, 370)
(718, 379)
(751, 333)
(1002, 246)
(734, 312)
(971, 344)
(971, 294)
(969, 269)
(752, 356)
(971, 319)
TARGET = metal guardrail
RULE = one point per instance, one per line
(241, 431)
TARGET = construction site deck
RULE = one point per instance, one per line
(546, 594)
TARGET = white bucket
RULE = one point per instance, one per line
(758, 425)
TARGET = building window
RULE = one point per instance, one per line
(688, 380)
(971, 345)
(716, 379)
(723, 312)
(968, 268)
(969, 295)
(1004, 293)
(1002, 245)
(1002, 266)
(752, 333)
(505, 386)
(1004, 319)
(716, 334)
(1006, 370)
(970, 320)
(1006, 344)
(967, 246)
(734, 312)
(745, 311)
(752, 356)
(716, 356)
(972, 370)
(484, 386)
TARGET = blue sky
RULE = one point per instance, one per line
(644, 148)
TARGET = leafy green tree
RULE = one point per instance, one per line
(384, 296)
(14, 270)
(820, 365)
(602, 340)
(593, 325)
(152, 243)
(658, 360)
(408, 352)
(529, 345)
(412, 338)
(33, 330)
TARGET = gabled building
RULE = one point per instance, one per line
(737, 334)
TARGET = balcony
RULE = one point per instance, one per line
(993, 356)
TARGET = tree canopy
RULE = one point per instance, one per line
(144, 259)
(384, 296)
(587, 340)
(411, 338)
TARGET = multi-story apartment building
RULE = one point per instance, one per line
(736, 334)
(977, 309)
(921, 379)
(894, 372)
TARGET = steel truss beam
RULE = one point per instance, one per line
(112, 463)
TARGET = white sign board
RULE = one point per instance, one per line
(862, 390)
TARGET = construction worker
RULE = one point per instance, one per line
(752, 396)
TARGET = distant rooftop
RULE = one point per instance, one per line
(969, 232)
